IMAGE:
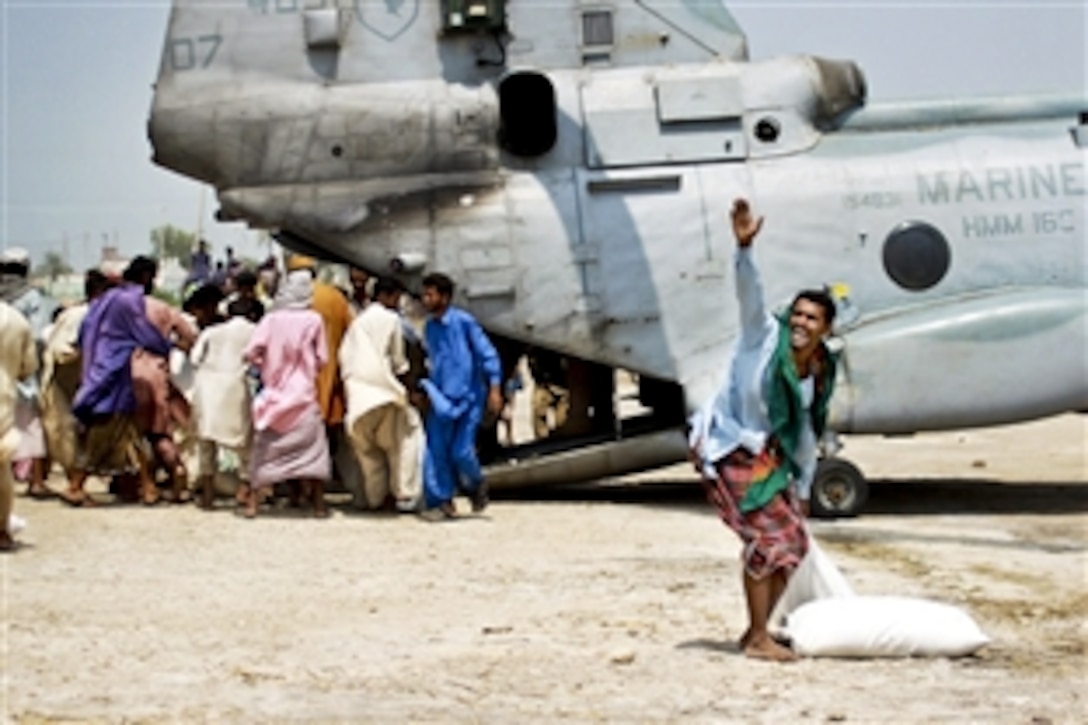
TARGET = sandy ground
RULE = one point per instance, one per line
(611, 602)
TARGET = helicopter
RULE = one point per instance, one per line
(571, 165)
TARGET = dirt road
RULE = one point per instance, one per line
(617, 602)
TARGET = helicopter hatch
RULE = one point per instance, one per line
(715, 112)
(631, 120)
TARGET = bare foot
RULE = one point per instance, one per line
(250, 511)
(178, 496)
(150, 496)
(765, 648)
(179, 489)
(39, 491)
(443, 512)
(747, 637)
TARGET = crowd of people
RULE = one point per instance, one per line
(281, 378)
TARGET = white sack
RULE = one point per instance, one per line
(816, 577)
(883, 627)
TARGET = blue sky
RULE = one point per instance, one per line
(76, 88)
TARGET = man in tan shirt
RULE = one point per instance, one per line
(384, 430)
(18, 360)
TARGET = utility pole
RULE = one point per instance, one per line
(200, 215)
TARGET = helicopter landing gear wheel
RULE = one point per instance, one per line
(838, 489)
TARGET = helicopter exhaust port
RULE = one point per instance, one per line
(527, 114)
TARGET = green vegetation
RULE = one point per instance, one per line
(170, 241)
(54, 265)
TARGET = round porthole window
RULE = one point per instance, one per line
(916, 256)
(767, 130)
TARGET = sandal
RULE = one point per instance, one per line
(179, 492)
(179, 496)
(75, 499)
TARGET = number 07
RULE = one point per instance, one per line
(184, 55)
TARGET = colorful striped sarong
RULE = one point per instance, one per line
(774, 535)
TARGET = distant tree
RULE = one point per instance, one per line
(55, 265)
(169, 241)
(174, 300)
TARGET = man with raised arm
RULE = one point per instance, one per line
(755, 441)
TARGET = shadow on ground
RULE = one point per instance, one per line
(887, 497)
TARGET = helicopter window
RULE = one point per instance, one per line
(916, 256)
(527, 114)
(767, 130)
(322, 27)
(597, 28)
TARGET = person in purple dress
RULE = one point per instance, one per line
(116, 325)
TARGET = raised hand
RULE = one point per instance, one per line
(745, 226)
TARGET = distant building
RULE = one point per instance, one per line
(171, 275)
(112, 263)
(67, 288)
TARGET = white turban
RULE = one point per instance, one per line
(296, 292)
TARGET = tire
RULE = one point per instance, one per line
(838, 489)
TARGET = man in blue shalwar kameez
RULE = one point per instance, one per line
(464, 375)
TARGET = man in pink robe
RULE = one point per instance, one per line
(288, 347)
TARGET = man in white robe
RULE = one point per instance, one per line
(18, 361)
(384, 429)
(221, 399)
